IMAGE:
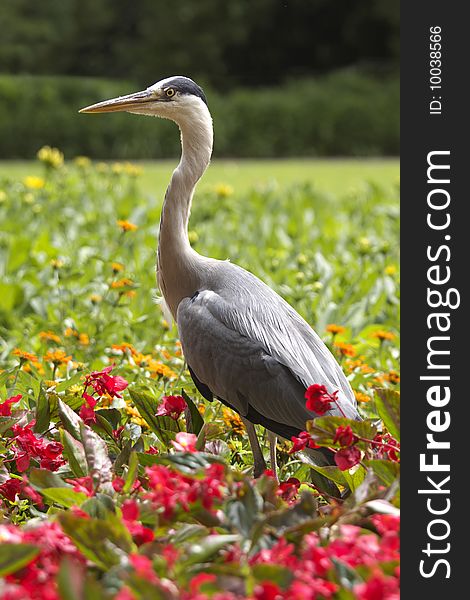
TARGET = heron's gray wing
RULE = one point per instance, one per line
(252, 353)
(237, 369)
(251, 307)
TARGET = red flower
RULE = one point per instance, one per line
(303, 441)
(185, 442)
(172, 406)
(288, 489)
(87, 411)
(10, 488)
(199, 580)
(267, 591)
(344, 436)
(319, 399)
(379, 587)
(388, 447)
(83, 485)
(28, 446)
(347, 457)
(103, 383)
(5, 407)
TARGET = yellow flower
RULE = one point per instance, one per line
(26, 356)
(82, 162)
(132, 170)
(57, 263)
(102, 167)
(390, 270)
(117, 168)
(193, 236)
(58, 357)
(117, 267)
(49, 336)
(134, 415)
(126, 225)
(233, 421)
(95, 298)
(335, 329)
(3, 196)
(51, 157)
(361, 397)
(34, 183)
(223, 190)
(382, 335)
(345, 349)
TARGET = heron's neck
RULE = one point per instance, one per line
(178, 270)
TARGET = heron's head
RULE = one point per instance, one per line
(176, 98)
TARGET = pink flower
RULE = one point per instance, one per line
(347, 457)
(5, 407)
(172, 406)
(185, 442)
(319, 399)
(344, 436)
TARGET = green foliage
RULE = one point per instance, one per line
(346, 113)
(136, 512)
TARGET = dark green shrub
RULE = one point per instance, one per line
(345, 113)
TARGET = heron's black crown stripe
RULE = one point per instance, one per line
(187, 86)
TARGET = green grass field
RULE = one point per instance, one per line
(336, 176)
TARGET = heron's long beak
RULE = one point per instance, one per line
(122, 103)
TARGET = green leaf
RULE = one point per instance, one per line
(203, 550)
(14, 557)
(67, 383)
(386, 470)
(42, 478)
(163, 427)
(131, 473)
(70, 420)
(105, 542)
(388, 407)
(11, 294)
(5, 376)
(194, 420)
(64, 496)
(43, 416)
(323, 429)
(96, 455)
(245, 510)
(74, 453)
(333, 473)
(281, 576)
(70, 580)
(354, 479)
(26, 384)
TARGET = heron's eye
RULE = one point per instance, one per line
(170, 92)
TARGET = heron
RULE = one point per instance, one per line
(243, 343)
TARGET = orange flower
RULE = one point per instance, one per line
(126, 225)
(49, 335)
(26, 356)
(70, 332)
(124, 347)
(361, 397)
(345, 349)
(83, 339)
(393, 376)
(382, 335)
(233, 421)
(122, 283)
(58, 357)
(335, 329)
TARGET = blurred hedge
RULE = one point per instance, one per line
(345, 113)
